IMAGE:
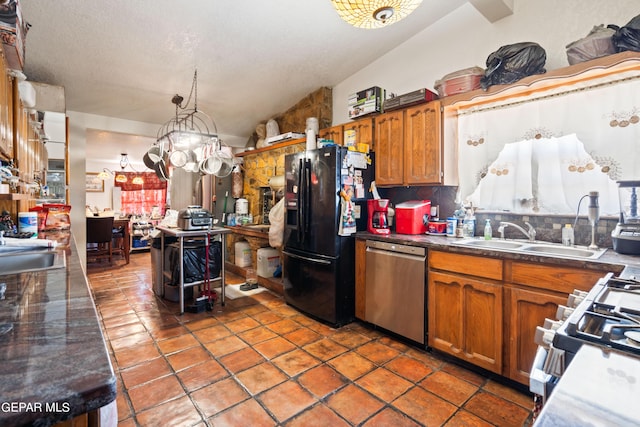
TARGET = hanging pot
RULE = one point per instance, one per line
(154, 155)
(161, 170)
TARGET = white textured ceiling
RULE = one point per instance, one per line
(255, 58)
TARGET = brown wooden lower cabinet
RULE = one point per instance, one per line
(485, 310)
(465, 319)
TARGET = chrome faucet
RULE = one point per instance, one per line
(531, 234)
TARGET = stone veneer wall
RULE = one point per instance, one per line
(258, 168)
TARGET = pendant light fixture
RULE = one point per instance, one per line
(371, 14)
(190, 137)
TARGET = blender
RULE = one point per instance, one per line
(378, 221)
(626, 235)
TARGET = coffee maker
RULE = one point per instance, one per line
(626, 236)
(378, 216)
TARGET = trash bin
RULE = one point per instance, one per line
(157, 279)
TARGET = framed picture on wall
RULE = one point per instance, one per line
(93, 183)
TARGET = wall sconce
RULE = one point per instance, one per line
(120, 176)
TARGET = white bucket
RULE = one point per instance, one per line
(28, 223)
(242, 252)
(242, 207)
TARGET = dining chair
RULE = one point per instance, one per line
(100, 238)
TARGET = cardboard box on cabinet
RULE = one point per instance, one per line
(366, 102)
(13, 31)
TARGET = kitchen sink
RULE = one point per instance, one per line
(497, 244)
(538, 248)
(13, 262)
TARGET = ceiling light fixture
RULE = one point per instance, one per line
(191, 136)
(370, 14)
(120, 176)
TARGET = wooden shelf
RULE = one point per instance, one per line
(272, 147)
(14, 196)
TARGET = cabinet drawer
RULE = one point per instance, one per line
(560, 279)
(488, 268)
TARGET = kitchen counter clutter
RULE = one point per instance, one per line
(54, 363)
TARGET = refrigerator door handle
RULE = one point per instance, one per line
(300, 201)
(314, 260)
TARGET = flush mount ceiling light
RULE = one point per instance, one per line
(374, 13)
(191, 136)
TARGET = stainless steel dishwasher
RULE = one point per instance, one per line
(395, 288)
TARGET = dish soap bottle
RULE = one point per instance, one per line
(488, 232)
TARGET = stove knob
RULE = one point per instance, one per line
(543, 337)
(563, 312)
(552, 324)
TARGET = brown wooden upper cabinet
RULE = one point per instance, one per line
(363, 129)
(408, 146)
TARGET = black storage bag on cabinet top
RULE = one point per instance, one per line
(513, 62)
(627, 37)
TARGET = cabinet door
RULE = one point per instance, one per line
(389, 148)
(527, 310)
(423, 144)
(363, 129)
(465, 319)
(334, 133)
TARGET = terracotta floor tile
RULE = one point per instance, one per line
(182, 342)
(225, 345)
(261, 377)
(125, 330)
(247, 413)
(212, 333)
(131, 340)
(463, 418)
(325, 349)
(189, 357)
(257, 335)
(267, 317)
(322, 380)
(350, 339)
(295, 362)
(129, 422)
(284, 326)
(131, 356)
(302, 336)
(274, 347)
(391, 418)
(424, 407)
(279, 402)
(449, 387)
(196, 325)
(168, 332)
(377, 353)
(127, 319)
(241, 360)
(384, 384)
(508, 393)
(409, 368)
(155, 392)
(201, 375)
(145, 372)
(317, 416)
(352, 365)
(354, 404)
(496, 410)
(427, 358)
(465, 374)
(178, 412)
(122, 403)
(219, 396)
(242, 325)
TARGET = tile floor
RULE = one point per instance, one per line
(258, 362)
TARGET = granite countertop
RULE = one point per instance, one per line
(54, 362)
(610, 260)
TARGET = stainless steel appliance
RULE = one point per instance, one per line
(626, 236)
(194, 218)
(607, 316)
(318, 262)
(395, 297)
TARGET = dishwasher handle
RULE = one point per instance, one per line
(395, 247)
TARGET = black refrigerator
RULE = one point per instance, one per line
(318, 259)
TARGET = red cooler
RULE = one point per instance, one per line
(412, 217)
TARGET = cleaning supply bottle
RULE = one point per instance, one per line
(567, 235)
(488, 232)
